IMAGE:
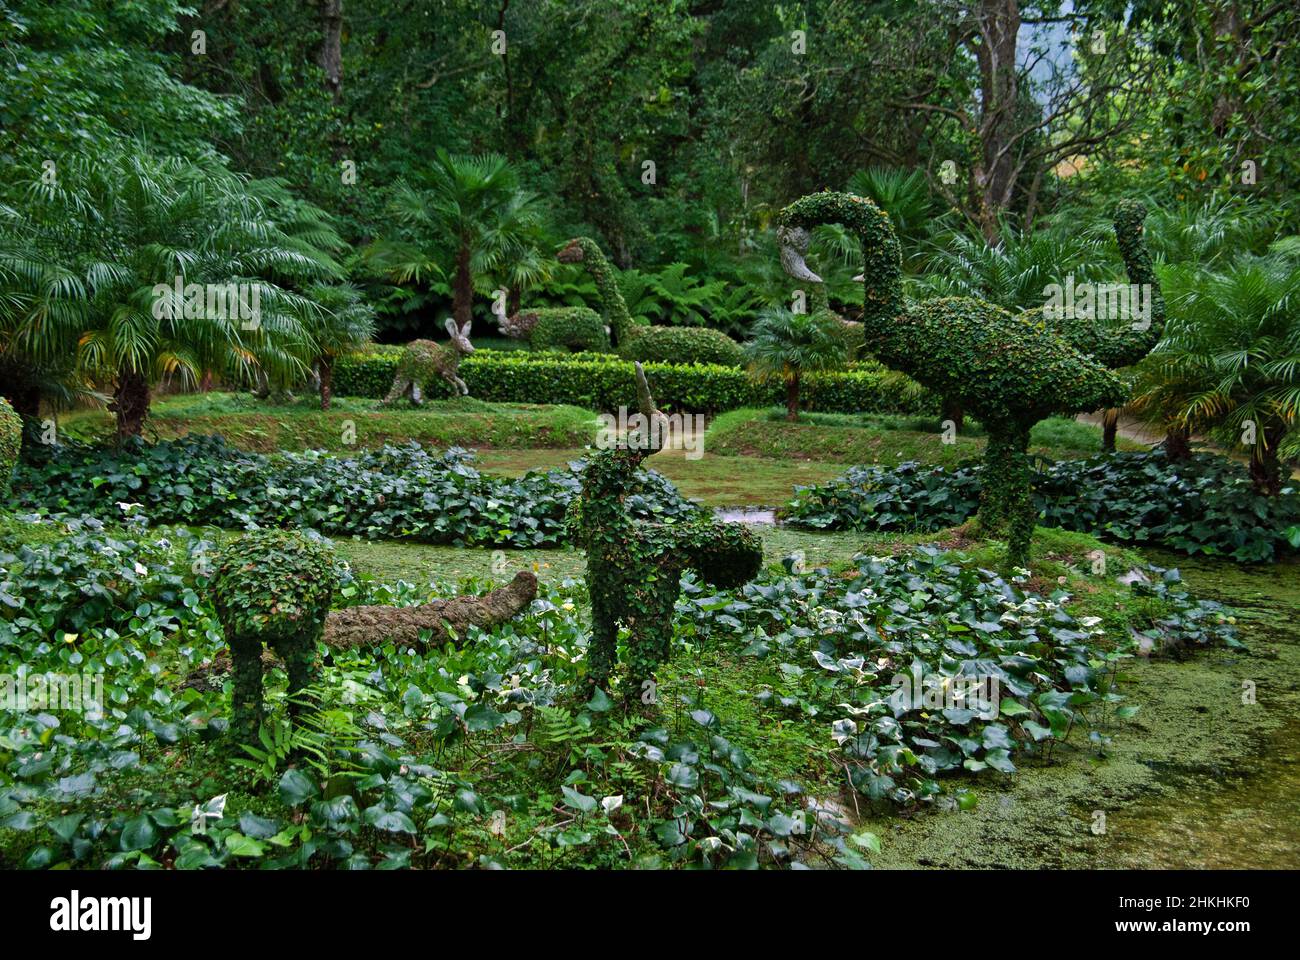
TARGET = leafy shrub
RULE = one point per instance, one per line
(568, 328)
(11, 440)
(394, 492)
(606, 381)
(1202, 505)
(684, 345)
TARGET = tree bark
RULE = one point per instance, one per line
(330, 57)
(792, 398)
(1265, 467)
(326, 367)
(952, 411)
(1177, 442)
(130, 404)
(1109, 428)
(463, 289)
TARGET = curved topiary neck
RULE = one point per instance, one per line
(1129, 233)
(882, 257)
(612, 304)
(1126, 345)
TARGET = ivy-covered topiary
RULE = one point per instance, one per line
(11, 441)
(272, 588)
(634, 566)
(422, 360)
(1009, 370)
(642, 341)
(574, 329)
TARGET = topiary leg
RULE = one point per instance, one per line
(602, 652)
(246, 698)
(299, 656)
(1006, 496)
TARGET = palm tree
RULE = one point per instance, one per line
(133, 249)
(346, 322)
(468, 208)
(787, 345)
(903, 194)
(1230, 362)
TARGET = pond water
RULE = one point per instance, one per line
(1246, 816)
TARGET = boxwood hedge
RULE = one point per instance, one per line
(601, 381)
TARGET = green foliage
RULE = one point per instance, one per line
(11, 441)
(786, 346)
(92, 261)
(394, 492)
(1008, 370)
(683, 345)
(1230, 364)
(1204, 505)
(575, 329)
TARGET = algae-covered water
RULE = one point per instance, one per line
(1202, 777)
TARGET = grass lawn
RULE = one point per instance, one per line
(880, 438)
(716, 481)
(259, 425)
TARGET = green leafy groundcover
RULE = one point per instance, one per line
(385, 775)
(836, 646)
(394, 492)
(481, 754)
(1202, 505)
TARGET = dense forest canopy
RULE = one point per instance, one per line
(672, 130)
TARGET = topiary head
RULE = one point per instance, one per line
(726, 555)
(11, 441)
(571, 252)
(1130, 213)
(275, 585)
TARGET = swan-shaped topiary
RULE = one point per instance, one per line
(1009, 370)
(642, 341)
(634, 566)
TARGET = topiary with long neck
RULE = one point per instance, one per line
(642, 341)
(1009, 370)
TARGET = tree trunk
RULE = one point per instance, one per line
(514, 300)
(1265, 467)
(326, 367)
(330, 57)
(1109, 428)
(371, 626)
(1177, 442)
(952, 411)
(792, 398)
(994, 176)
(130, 404)
(462, 296)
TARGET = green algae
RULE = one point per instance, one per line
(1200, 777)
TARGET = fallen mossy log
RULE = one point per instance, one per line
(371, 626)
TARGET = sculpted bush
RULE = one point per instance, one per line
(634, 565)
(1009, 370)
(11, 441)
(272, 588)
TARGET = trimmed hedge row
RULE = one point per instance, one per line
(606, 382)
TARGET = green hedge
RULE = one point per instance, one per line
(606, 382)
